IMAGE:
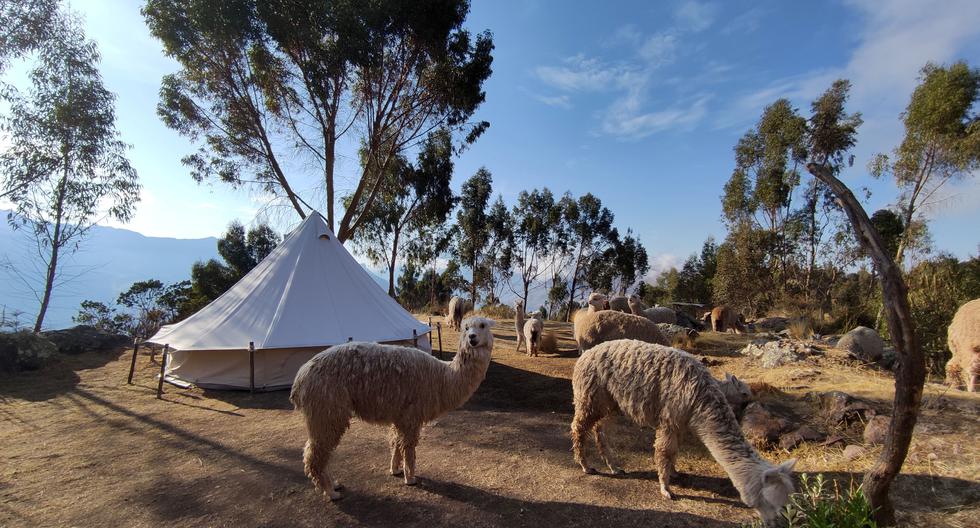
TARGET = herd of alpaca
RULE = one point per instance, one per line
(625, 368)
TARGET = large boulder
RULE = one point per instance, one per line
(84, 338)
(771, 354)
(862, 343)
(24, 350)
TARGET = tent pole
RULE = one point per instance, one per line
(251, 366)
(439, 331)
(415, 338)
(163, 366)
(132, 364)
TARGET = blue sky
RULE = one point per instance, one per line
(639, 103)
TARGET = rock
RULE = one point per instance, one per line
(24, 350)
(773, 354)
(671, 331)
(762, 426)
(687, 321)
(84, 338)
(862, 343)
(831, 340)
(804, 433)
(771, 324)
(842, 408)
(853, 451)
(876, 429)
(889, 358)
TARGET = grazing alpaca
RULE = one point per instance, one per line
(519, 324)
(619, 303)
(384, 384)
(592, 328)
(672, 391)
(656, 314)
(724, 318)
(532, 333)
(737, 393)
(457, 309)
(964, 342)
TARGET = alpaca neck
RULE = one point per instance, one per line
(466, 372)
(716, 426)
(519, 319)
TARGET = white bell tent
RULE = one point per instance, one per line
(307, 295)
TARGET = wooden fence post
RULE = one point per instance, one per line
(132, 364)
(439, 331)
(251, 366)
(163, 367)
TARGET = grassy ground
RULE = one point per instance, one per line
(83, 448)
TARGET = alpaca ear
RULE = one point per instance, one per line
(729, 378)
(787, 467)
(491, 323)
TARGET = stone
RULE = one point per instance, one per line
(853, 451)
(804, 433)
(24, 350)
(862, 343)
(762, 426)
(771, 324)
(771, 354)
(842, 408)
(876, 429)
(84, 338)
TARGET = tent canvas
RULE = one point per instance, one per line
(307, 295)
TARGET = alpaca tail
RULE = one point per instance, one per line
(299, 386)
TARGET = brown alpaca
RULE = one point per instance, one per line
(592, 328)
(387, 385)
(724, 318)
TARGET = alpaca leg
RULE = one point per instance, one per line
(973, 374)
(397, 453)
(953, 373)
(581, 425)
(315, 459)
(409, 439)
(666, 446)
(600, 441)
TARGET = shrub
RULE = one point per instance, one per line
(816, 506)
(800, 328)
(497, 311)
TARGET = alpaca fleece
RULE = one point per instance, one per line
(672, 391)
(592, 328)
(384, 384)
(457, 309)
(519, 324)
(724, 318)
(619, 303)
(656, 314)
(533, 329)
(963, 339)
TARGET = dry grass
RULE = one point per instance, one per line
(800, 328)
(81, 447)
(548, 343)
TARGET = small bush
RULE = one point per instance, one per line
(497, 311)
(800, 328)
(816, 506)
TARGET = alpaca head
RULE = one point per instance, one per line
(519, 306)
(777, 486)
(736, 391)
(476, 333)
(598, 301)
(635, 303)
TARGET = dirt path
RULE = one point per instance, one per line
(83, 448)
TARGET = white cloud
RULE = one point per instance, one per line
(745, 22)
(558, 101)
(659, 49)
(660, 264)
(626, 120)
(582, 74)
(695, 16)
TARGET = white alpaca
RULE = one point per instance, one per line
(533, 329)
(672, 391)
(457, 309)
(597, 301)
(384, 384)
(593, 327)
(737, 393)
(519, 324)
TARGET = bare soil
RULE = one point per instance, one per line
(81, 447)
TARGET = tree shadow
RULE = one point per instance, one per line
(506, 388)
(56, 378)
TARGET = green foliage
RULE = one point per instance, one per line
(538, 233)
(428, 291)
(620, 265)
(590, 225)
(25, 26)
(817, 506)
(744, 276)
(472, 221)
(103, 317)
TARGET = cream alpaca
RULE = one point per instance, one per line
(519, 324)
(384, 384)
(592, 328)
(964, 342)
(656, 314)
(619, 303)
(672, 391)
(457, 309)
(533, 329)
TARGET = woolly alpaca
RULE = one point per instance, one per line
(457, 309)
(724, 318)
(519, 324)
(532, 333)
(656, 314)
(597, 301)
(737, 393)
(592, 328)
(619, 303)
(963, 339)
(672, 391)
(384, 384)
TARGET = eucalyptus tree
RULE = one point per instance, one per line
(536, 216)
(268, 88)
(941, 144)
(415, 199)
(620, 265)
(471, 220)
(832, 132)
(496, 269)
(25, 25)
(591, 225)
(65, 167)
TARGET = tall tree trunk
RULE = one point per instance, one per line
(329, 162)
(910, 373)
(473, 282)
(55, 248)
(391, 265)
(571, 294)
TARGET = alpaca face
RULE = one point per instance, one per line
(777, 486)
(519, 306)
(476, 332)
(598, 301)
(736, 391)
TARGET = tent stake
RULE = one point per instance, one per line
(132, 365)
(163, 366)
(439, 331)
(251, 366)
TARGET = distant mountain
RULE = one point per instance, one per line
(109, 261)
